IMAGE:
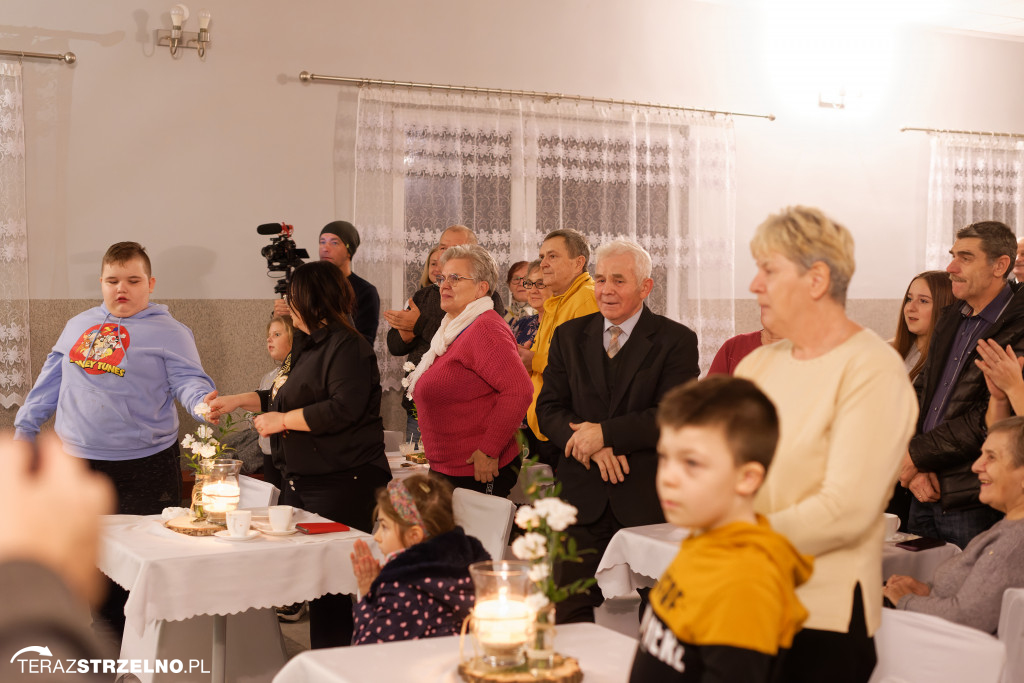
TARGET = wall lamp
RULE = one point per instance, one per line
(176, 38)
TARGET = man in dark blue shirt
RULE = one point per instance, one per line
(951, 388)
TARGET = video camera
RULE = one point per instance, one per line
(281, 254)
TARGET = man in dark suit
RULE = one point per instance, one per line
(606, 374)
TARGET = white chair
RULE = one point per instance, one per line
(255, 493)
(488, 518)
(1011, 633)
(921, 648)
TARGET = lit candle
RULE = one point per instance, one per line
(220, 497)
(501, 623)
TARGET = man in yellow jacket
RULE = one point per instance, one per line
(564, 255)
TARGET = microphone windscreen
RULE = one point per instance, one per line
(269, 229)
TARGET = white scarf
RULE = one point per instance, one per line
(450, 329)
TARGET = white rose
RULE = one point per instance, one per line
(527, 517)
(530, 546)
(557, 512)
(204, 431)
(536, 601)
(202, 410)
(187, 441)
(209, 451)
(405, 382)
(409, 366)
(196, 447)
(539, 571)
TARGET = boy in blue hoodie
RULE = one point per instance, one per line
(726, 610)
(112, 378)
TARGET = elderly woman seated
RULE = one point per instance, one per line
(968, 588)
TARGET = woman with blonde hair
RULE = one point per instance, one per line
(431, 267)
(846, 413)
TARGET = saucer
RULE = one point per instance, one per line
(224, 535)
(265, 528)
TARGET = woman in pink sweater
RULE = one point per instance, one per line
(471, 390)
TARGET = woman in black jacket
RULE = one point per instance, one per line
(327, 437)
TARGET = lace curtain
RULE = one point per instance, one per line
(514, 169)
(15, 366)
(972, 178)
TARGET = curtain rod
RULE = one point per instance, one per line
(66, 57)
(307, 77)
(963, 132)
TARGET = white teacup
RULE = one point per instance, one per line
(280, 517)
(238, 522)
(892, 525)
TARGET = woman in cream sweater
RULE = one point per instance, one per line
(846, 413)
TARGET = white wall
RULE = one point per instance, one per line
(188, 156)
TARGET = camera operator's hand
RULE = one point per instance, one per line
(281, 307)
(404, 321)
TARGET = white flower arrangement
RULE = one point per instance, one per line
(545, 541)
(202, 445)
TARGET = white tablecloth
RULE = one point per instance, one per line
(604, 655)
(173, 577)
(638, 556)
(402, 468)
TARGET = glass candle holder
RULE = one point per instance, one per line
(221, 489)
(501, 617)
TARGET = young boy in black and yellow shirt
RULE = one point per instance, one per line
(726, 609)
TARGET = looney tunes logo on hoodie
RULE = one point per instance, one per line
(100, 349)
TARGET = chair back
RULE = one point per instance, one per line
(914, 647)
(255, 493)
(1011, 633)
(488, 518)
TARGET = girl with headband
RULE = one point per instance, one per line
(423, 589)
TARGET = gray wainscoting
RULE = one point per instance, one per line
(231, 337)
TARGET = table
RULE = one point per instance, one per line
(181, 586)
(402, 468)
(604, 655)
(637, 557)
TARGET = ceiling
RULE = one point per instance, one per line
(1000, 19)
(994, 18)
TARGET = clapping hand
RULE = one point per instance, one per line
(403, 321)
(365, 566)
(1002, 369)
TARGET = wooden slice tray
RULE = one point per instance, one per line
(185, 525)
(565, 670)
